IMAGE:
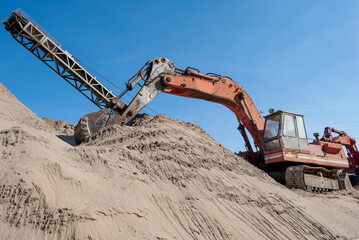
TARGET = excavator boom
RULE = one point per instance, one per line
(161, 75)
(222, 90)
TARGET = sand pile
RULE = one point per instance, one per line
(157, 179)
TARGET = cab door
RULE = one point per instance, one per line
(293, 133)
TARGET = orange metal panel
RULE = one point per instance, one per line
(332, 148)
(220, 90)
(288, 156)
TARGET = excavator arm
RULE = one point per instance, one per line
(161, 75)
(348, 142)
(222, 90)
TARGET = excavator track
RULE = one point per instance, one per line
(316, 179)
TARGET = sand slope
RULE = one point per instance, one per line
(158, 179)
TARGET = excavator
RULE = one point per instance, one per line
(280, 147)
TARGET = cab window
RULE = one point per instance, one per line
(272, 127)
(301, 128)
(289, 126)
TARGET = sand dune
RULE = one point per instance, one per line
(157, 179)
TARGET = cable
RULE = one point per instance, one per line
(217, 75)
(139, 73)
(118, 86)
(98, 73)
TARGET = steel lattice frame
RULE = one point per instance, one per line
(41, 45)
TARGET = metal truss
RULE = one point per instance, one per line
(35, 39)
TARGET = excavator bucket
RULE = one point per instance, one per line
(122, 114)
(93, 122)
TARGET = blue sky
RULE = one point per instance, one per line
(298, 56)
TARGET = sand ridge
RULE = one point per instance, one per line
(158, 179)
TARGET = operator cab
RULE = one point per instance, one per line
(285, 130)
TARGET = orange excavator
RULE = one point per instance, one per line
(280, 147)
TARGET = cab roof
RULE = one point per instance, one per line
(280, 111)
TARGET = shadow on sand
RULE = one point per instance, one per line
(69, 139)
